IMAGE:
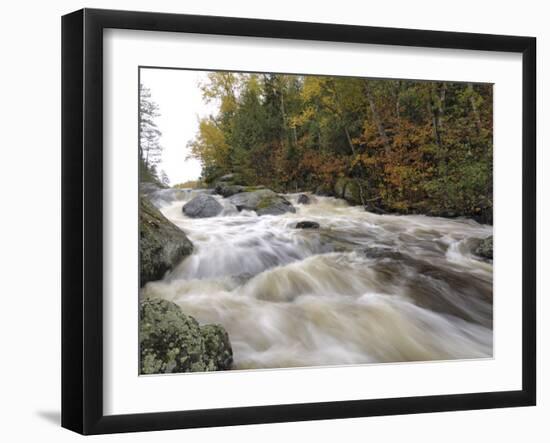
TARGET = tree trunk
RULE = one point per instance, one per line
(341, 116)
(350, 143)
(377, 119)
(474, 108)
(398, 107)
(435, 117)
(285, 127)
(441, 106)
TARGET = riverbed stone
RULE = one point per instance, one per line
(227, 190)
(325, 190)
(304, 199)
(484, 248)
(378, 252)
(171, 341)
(202, 206)
(263, 201)
(306, 224)
(162, 245)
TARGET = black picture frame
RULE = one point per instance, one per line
(82, 219)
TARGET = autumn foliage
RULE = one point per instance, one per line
(406, 146)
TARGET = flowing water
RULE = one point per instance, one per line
(363, 288)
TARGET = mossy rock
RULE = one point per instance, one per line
(162, 245)
(340, 187)
(348, 189)
(352, 193)
(325, 189)
(227, 190)
(171, 341)
(484, 248)
(263, 201)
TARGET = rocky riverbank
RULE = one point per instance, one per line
(351, 191)
(162, 245)
(171, 341)
(261, 200)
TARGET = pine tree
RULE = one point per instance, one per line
(150, 149)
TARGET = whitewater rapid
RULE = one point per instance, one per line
(363, 288)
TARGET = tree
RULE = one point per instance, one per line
(405, 146)
(163, 177)
(150, 149)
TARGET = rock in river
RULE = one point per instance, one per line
(227, 190)
(162, 245)
(303, 199)
(202, 206)
(171, 341)
(485, 248)
(263, 201)
(307, 225)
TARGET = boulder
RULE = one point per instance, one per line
(171, 341)
(307, 225)
(348, 189)
(227, 178)
(162, 245)
(303, 199)
(263, 201)
(275, 206)
(340, 187)
(352, 193)
(217, 347)
(484, 248)
(201, 206)
(324, 189)
(227, 190)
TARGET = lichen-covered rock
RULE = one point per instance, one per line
(171, 341)
(485, 248)
(307, 225)
(263, 201)
(162, 245)
(217, 348)
(304, 199)
(202, 206)
(274, 206)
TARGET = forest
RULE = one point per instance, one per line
(393, 146)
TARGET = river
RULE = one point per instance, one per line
(364, 288)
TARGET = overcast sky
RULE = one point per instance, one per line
(180, 105)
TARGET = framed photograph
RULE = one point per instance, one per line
(269, 221)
